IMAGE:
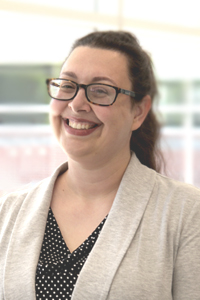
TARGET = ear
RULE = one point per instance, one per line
(140, 111)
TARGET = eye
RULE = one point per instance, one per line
(67, 87)
(99, 91)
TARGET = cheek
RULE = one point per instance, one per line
(115, 118)
(104, 113)
(56, 107)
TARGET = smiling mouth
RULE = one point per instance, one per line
(80, 125)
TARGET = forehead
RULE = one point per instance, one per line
(87, 61)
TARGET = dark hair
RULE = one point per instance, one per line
(144, 140)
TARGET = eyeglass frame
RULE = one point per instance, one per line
(136, 96)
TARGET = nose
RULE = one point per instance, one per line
(80, 103)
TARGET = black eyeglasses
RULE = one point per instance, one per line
(96, 93)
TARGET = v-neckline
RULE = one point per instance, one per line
(87, 239)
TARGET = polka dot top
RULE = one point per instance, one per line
(58, 268)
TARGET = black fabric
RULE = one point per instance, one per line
(58, 268)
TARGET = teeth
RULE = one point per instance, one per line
(76, 125)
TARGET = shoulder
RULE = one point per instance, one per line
(162, 190)
(179, 200)
(178, 190)
(160, 183)
(174, 205)
(11, 203)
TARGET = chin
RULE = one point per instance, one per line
(73, 150)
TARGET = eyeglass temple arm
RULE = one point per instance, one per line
(132, 94)
(126, 92)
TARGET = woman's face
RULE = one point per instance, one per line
(85, 130)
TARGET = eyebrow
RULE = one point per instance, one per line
(94, 79)
(102, 78)
(71, 74)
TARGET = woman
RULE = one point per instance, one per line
(105, 225)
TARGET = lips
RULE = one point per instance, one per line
(79, 126)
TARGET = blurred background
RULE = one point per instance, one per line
(36, 36)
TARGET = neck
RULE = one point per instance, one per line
(96, 182)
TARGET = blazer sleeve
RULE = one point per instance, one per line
(186, 278)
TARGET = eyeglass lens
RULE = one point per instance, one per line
(96, 93)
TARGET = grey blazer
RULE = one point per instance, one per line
(149, 247)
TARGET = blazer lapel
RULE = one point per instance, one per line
(121, 225)
(26, 240)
